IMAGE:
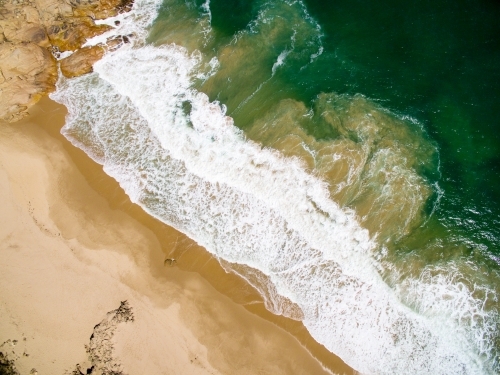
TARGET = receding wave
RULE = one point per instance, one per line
(305, 220)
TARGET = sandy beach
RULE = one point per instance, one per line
(74, 248)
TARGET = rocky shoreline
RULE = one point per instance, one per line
(34, 33)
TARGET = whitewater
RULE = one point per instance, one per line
(182, 159)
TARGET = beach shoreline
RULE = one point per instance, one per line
(73, 243)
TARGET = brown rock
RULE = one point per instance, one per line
(26, 33)
(29, 29)
(70, 34)
(81, 61)
(101, 9)
(27, 71)
(52, 10)
(31, 15)
(22, 26)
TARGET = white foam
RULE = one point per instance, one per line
(216, 150)
(251, 206)
(206, 8)
(314, 56)
(443, 294)
(63, 55)
(134, 23)
(283, 55)
(279, 61)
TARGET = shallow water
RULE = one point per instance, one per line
(327, 156)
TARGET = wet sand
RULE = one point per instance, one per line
(74, 246)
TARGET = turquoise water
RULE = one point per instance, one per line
(341, 157)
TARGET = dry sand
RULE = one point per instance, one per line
(73, 247)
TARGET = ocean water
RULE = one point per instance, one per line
(343, 158)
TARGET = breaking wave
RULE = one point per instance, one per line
(306, 221)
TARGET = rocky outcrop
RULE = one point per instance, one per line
(7, 366)
(81, 61)
(100, 349)
(27, 72)
(32, 32)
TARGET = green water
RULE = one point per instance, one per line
(440, 63)
(405, 93)
(437, 63)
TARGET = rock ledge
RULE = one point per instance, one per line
(33, 32)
